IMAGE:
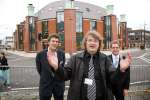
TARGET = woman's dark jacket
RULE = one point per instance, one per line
(3, 63)
(74, 69)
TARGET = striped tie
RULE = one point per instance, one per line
(91, 89)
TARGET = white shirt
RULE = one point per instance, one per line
(52, 55)
(115, 60)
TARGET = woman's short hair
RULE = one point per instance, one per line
(95, 35)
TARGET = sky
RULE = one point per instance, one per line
(12, 12)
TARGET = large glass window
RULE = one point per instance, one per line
(60, 28)
(44, 29)
(60, 21)
(124, 33)
(79, 38)
(44, 33)
(32, 35)
(79, 31)
(92, 24)
(107, 32)
(20, 36)
(79, 21)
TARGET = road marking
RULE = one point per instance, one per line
(20, 58)
(145, 59)
(146, 53)
(139, 82)
(15, 59)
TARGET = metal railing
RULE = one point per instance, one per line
(140, 83)
(139, 91)
(139, 73)
(26, 79)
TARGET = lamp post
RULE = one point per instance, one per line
(144, 35)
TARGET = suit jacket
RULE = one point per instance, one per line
(74, 70)
(125, 80)
(48, 78)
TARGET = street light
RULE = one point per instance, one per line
(144, 34)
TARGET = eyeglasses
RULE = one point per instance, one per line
(92, 40)
(115, 47)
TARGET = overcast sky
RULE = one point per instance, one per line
(13, 12)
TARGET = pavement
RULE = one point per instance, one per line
(33, 95)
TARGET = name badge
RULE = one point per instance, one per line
(88, 81)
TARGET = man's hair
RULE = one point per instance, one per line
(115, 42)
(53, 35)
(96, 36)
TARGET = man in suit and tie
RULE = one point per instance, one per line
(49, 83)
(120, 90)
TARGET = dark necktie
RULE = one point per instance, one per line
(91, 89)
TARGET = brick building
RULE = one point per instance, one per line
(71, 20)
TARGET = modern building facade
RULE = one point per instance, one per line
(7, 43)
(71, 20)
(138, 38)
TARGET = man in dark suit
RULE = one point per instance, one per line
(119, 90)
(49, 83)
